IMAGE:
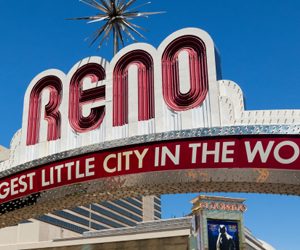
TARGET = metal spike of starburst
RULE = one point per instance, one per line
(117, 17)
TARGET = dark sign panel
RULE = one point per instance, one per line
(223, 235)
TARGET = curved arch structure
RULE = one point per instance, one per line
(156, 164)
(92, 147)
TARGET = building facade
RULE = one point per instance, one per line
(194, 232)
(74, 222)
(156, 235)
(106, 215)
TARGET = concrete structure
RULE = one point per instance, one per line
(172, 234)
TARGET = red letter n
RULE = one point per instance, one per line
(145, 93)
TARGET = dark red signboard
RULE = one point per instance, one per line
(197, 153)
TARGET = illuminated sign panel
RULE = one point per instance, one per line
(150, 121)
(82, 99)
(223, 234)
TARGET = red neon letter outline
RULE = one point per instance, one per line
(52, 115)
(79, 97)
(144, 63)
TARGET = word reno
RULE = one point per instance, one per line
(193, 153)
(56, 104)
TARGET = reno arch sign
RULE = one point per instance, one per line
(137, 93)
(151, 121)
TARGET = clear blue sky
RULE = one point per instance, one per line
(259, 43)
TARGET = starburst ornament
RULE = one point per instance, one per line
(116, 16)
